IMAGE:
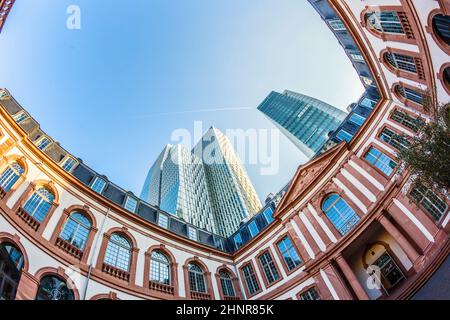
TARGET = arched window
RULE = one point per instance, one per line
(76, 230)
(159, 268)
(10, 176)
(39, 204)
(54, 288)
(227, 284)
(441, 27)
(196, 278)
(340, 214)
(11, 264)
(400, 61)
(410, 94)
(385, 22)
(118, 252)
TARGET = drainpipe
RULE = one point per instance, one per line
(94, 254)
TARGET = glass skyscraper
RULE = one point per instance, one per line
(304, 120)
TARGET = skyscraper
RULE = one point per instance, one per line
(176, 184)
(304, 120)
(233, 197)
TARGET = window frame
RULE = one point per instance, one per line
(261, 268)
(281, 257)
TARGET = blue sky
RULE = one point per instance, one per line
(113, 92)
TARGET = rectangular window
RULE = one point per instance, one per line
(98, 185)
(21, 117)
(250, 279)
(344, 135)
(192, 233)
(429, 200)
(381, 161)
(238, 240)
(404, 62)
(413, 95)
(368, 103)
(357, 119)
(289, 254)
(131, 204)
(310, 294)
(268, 214)
(163, 221)
(395, 140)
(253, 228)
(356, 55)
(403, 118)
(269, 268)
(336, 25)
(68, 164)
(43, 143)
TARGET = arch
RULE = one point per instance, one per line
(387, 58)
(105, 296)
(444, 76)
(234, 279)
(127, 276)
(398, 91)
(431, 29)
(209, 295)
(60, 272)
(7, 162)
(73, 252)
(339, 212)
(15, 240)
(172, 288)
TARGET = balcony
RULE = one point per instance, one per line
(69, 248)
(200, 296)
(25, 216)
(226, 298)
(162, 288)
(116, 272)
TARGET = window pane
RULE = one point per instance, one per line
(289, 253)
(381, 161)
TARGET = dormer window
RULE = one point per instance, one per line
(21, 117)
(131, 204)
(337, 25)
(163, 221)
(192, 233)
(98, 185)
(68, 163)
(43, 143)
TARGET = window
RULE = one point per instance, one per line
(253, 228)
(356, 55)
(403, 118)
(289, 254)
(196, 278)
(54, 288)
(310, 294)
(441, 27)
(131, 204)
(429, 201)
(268, 214)
(21, 117)
(395, 140)
(381, 161)
(269, 268)
(11, 264)
(337, 25)
(250, 279)
(401, 61)
(411, 95)
(340, 213)
(368, 103)
(10, 176)
(238, 240)
(159, 268)
(386, 22)
(39, 204)
(227, 284)
(98, 185)
(68, 164)
(76, 230)
(163, 221)
(344, 135)
(118, 252)
(192, 233)
(391, 274)
(43, 143)
(357, 119)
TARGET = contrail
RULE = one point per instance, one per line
(192, 111)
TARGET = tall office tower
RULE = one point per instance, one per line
(176, 183)
(233, 197)
(304, 120)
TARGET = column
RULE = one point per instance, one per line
(351, 278)
(398, 236)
